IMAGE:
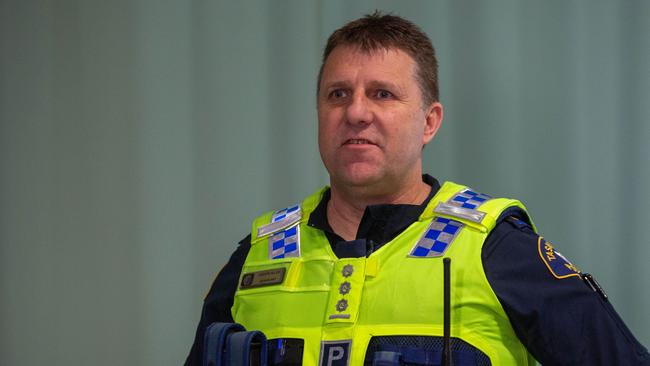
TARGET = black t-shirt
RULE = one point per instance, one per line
(566, 321)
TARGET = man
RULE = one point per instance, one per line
(354, 273)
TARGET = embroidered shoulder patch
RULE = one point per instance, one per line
(559, 266)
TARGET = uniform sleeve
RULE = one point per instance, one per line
(218, 302)
(561, 317)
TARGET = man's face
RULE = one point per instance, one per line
(372, 123)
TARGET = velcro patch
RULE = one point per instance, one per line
(557, 264)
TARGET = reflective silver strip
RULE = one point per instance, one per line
(463, 213)
(286, 222)
(339, 316)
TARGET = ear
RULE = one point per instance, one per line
(433, 120)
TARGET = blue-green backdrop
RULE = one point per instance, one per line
(138, 139)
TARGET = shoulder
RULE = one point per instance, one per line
(530, 277)
(278, 220)
(514, 239)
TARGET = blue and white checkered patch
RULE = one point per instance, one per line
(279, 215)
(468, 199)
(286, 243)
(438, 237)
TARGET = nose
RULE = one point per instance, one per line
(359, 110)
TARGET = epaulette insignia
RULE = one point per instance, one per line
(557, 264)
(468, 198)
(437, 238)
(464, 204)
(280, 220)
(285, 244)
(284, 227)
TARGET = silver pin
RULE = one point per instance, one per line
(347, 270)
(345, 287)
(341, 305)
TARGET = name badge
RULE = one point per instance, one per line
(266, 277)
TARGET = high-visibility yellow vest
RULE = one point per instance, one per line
(294, 286)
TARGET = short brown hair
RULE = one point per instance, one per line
(378, 31)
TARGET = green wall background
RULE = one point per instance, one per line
(139, 138)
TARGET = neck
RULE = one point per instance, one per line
(347, 204)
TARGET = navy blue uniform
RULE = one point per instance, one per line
(560, 321)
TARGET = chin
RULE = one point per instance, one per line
(360, 178)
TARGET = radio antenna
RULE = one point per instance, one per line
(446, 345)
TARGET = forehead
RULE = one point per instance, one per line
(351, 62)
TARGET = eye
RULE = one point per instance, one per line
(337, 94)
(383, 94)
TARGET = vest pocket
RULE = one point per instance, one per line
(289, 294)
(293, 276)
(421, 350)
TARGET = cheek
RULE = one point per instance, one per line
(327, 126)
(407, 135)
(326, 138)
(324, 131)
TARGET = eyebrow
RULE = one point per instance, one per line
(373, 84)
(378, 84)
(336, 84)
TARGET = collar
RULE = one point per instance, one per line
(379, 223)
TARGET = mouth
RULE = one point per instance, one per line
(358, 142)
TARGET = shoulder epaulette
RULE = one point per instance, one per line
(281, 220)
(464, 205)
